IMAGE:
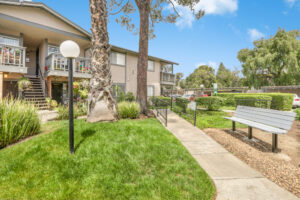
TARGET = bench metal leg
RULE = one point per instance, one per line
(250, 133)
(274, 142)
(233, 126)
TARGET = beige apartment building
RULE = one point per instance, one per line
(30, 35)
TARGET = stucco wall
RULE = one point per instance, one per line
(153, 78)
(39, 16)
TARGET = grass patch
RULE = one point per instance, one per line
(212, 119)
(129, 159)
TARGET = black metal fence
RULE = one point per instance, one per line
(185, 107)
(161, 107)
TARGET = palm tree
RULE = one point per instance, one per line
(101, 104)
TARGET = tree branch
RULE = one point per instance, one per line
(115, 13)
(174, 8)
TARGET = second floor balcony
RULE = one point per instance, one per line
(167, 78)
(12, 59)
(57, 65)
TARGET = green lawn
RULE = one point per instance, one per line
(129, 159)
(212, 119)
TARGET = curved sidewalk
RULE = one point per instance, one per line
(234, 179)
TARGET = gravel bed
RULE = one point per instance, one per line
(280, 168)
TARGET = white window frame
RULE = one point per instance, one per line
(151, 70)
(52, 46)
(11, 38)
(116, 63)
(153, 89)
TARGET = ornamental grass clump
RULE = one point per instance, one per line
(128, 110)
(18, 120)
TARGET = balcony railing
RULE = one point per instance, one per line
(167, 78)
(12, 56)
(56, 62)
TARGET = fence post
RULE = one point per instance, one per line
(195, 115)
(171, 102)
(167, 115)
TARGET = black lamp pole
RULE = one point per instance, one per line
(71, 119)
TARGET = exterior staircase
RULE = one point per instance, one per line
(35, 93)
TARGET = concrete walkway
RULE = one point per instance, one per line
(234, 179)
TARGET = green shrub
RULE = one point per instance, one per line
(129, 97)
(182, 103)
(18, 120)
(228, 98)
(260, 101)
(128, 110)
(160, 101)
(121, 97)
(79, 109)
(297, 111)
(53, 104)
(211, 103)
(281, 101)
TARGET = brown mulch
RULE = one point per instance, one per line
(283, 168)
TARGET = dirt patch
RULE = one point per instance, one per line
(283, 167)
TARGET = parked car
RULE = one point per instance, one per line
(175, 95)
(187, 96)
(296, 102)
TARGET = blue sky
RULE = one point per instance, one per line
(228, 26)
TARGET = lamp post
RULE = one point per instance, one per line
(70, 50)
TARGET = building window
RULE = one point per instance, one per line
(117, 58)
(167, 68)
(53, 49)
(150, 90)
(9, 41)
(118, 88)
(151, 65)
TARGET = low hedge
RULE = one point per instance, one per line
(182, 103)
(161, 101)
(297, 111)
(280, 101)
(211, 103)
(130, 110)
(260, 101)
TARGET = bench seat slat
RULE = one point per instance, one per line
(265, 120)
(285, 113)
(257, 125)
(268, 114)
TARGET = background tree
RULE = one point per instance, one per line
(273, 61)
(227, 78)
(178, 78)
(202, 75)
(101, 104)
(151, 12)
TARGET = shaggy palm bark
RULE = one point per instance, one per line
(101, 104)
(144, 11)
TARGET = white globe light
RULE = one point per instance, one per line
(69, 49)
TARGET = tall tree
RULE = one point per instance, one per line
(101, 104)
(178, 78)
(202, 75)
(151, 12)
(227, 78)
(273, 61)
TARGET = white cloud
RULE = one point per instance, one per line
(290, 2)
(255, 34)
(211, 7)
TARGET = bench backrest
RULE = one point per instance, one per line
(274, 118)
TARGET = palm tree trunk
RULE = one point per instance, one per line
(101, 104)
(144, 10)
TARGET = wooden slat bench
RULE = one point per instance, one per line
(272, 121)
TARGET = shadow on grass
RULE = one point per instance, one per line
(254, 142)
(85, 134)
